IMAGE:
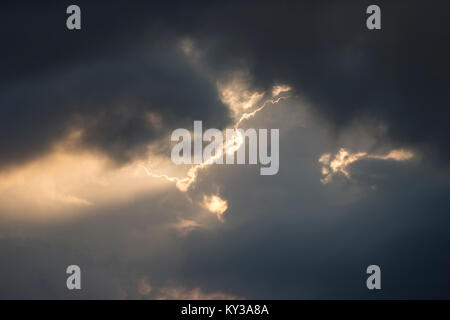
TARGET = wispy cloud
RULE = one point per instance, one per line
(341, 161)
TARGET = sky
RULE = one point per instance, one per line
(86, 176)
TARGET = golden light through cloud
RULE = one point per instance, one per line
(48, 184)
(215, 204)
(145, 289)
(233, 150)
(65, 182)
(236, 95)
(184, 226)
(344, 158)
(238, 99)
(398, 155)
(69, 181)
(232, 145)
(179, 293)
(276, 90)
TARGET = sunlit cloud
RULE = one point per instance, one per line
(185, 226)
(215, 204)
(236, 95)
(143, 289)
(179, 293)
(398, 155)
(343, 159)
(67, 181)
(277, 90)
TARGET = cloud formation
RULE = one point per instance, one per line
(86, 178)
(343, 159)
(109, 79)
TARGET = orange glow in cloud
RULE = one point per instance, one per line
(398, 155)
(68, 180)
(215, 204)
(237, 95)
(145, 290)
(63, 183)
(237, 99)
(343, 159)
(179, 293)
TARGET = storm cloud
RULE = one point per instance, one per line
(113, 92)
(126, 55)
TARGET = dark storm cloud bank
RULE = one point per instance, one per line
(120, 106)
(397, 76)
(123, 81)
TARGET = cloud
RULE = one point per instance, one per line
(326, 54)
(119, 106)
(184, 226)
(108, 77)
(215, 204)
(343, 159)
(281, 247)
(194, 294)
(64, 183)
(143, 286)
(146, 291)
(84, 129)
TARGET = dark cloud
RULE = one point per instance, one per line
(322, 49)
(284, 236)
(119, 105)
(291, 237)
(397, 76)
(123, 89)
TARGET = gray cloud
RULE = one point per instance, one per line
(112, 102)
(285, 236)
(304, 240)
(323, 51)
